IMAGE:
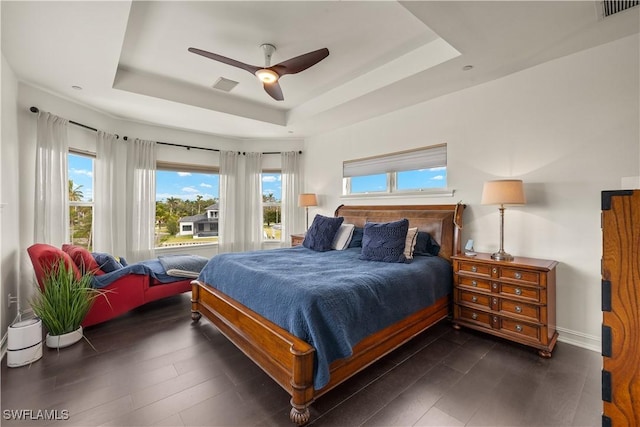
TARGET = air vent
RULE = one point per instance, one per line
(224, 85)
(610, 7)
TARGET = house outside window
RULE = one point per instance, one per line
(415, 171)
(272, 205)
(187, 210)
(80, 175)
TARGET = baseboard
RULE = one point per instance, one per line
(580, 339)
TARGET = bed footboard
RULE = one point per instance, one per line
(284, 357)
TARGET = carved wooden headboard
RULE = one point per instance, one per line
(443, 222)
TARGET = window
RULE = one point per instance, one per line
(186, 205)
(272, 205)
(423, 170)
(80, 174)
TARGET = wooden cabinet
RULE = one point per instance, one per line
(621, 308)
(296, 239)
(510, 299)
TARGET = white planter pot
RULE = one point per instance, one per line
(64, 340)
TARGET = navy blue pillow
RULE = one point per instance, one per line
(106, 262)
(356, 238)
(426, 245)
(384, 241)
(321, 233)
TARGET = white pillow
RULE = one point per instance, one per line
(343, 237)
(410, 242)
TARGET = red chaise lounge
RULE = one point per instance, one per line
(124, 294)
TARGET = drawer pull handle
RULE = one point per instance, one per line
(518, 275)
(474, 316)
(474, 268)
(495, 270)
(474, 299)
(474, 283)
(495, 286)
(518, 309)
(518, 291)
(495, 319)
(518, 328)
(495, 300)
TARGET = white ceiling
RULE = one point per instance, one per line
(132, 62)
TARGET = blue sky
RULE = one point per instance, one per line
(187, 185)
(183, 185)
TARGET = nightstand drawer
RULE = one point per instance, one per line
(524, 292)
(520, 328)
(528, 277)
(473, 298)
(473, 283)
(475, 316)
(519, 309)
(475, 269)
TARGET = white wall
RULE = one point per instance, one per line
(568, 128)
(9, 199)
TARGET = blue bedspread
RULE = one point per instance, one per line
(331, 300)
(152, 268)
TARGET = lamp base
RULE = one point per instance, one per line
(501, 256)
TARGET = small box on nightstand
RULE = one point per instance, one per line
(297, 239)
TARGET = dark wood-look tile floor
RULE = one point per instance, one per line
(153, 367)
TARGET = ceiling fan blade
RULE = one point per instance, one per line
(250, 68)
(274, 90)
(300, 63)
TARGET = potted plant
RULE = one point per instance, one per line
(62, 303)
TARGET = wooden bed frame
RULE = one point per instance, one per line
(288, 359)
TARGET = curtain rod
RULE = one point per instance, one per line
(188, 147)
(36, 110)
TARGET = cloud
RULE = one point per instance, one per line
(438, 178)
(205, 185)
(269, 178)
(190, 190)
(81, 172)
(184, 173)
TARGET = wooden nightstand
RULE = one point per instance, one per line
(296, 239)
(515, 299)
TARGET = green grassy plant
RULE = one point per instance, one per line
(65, 300)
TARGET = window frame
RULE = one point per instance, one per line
(81, 203)
(270, 204)
(190, 168)
(392, 178)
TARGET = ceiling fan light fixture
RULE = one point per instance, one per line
(267, 76)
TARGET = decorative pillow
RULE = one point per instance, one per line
(356, 238)
(410, 242)
(321, 233)
(426, 245)
(107, 262)
(122, 261)
(83, 259)
(384, 241)
(343, 237)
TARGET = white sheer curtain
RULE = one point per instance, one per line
(227, 235)
(141, 199)
(110, 224)
(253, 201)
(52, 185)
(292, 218)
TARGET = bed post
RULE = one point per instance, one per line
(301, 385)
(195, 296)
(457, 228)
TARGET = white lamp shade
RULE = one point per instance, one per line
(503, 192)
(307, 199)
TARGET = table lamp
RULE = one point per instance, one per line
(305, 200)
(503, 192)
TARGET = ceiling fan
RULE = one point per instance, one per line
(269, 75)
